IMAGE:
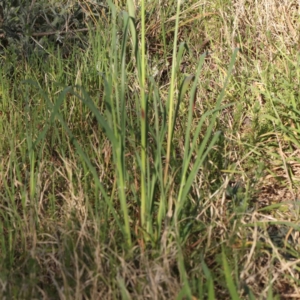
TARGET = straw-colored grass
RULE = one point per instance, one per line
(143, 169)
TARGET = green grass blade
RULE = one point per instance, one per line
(170, 102)
(229, 280)
(210, 282)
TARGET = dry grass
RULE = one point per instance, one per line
(244, 203)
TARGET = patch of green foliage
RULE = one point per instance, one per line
(143, 155)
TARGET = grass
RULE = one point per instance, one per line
(160, 162)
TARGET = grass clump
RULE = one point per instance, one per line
(157, 159)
